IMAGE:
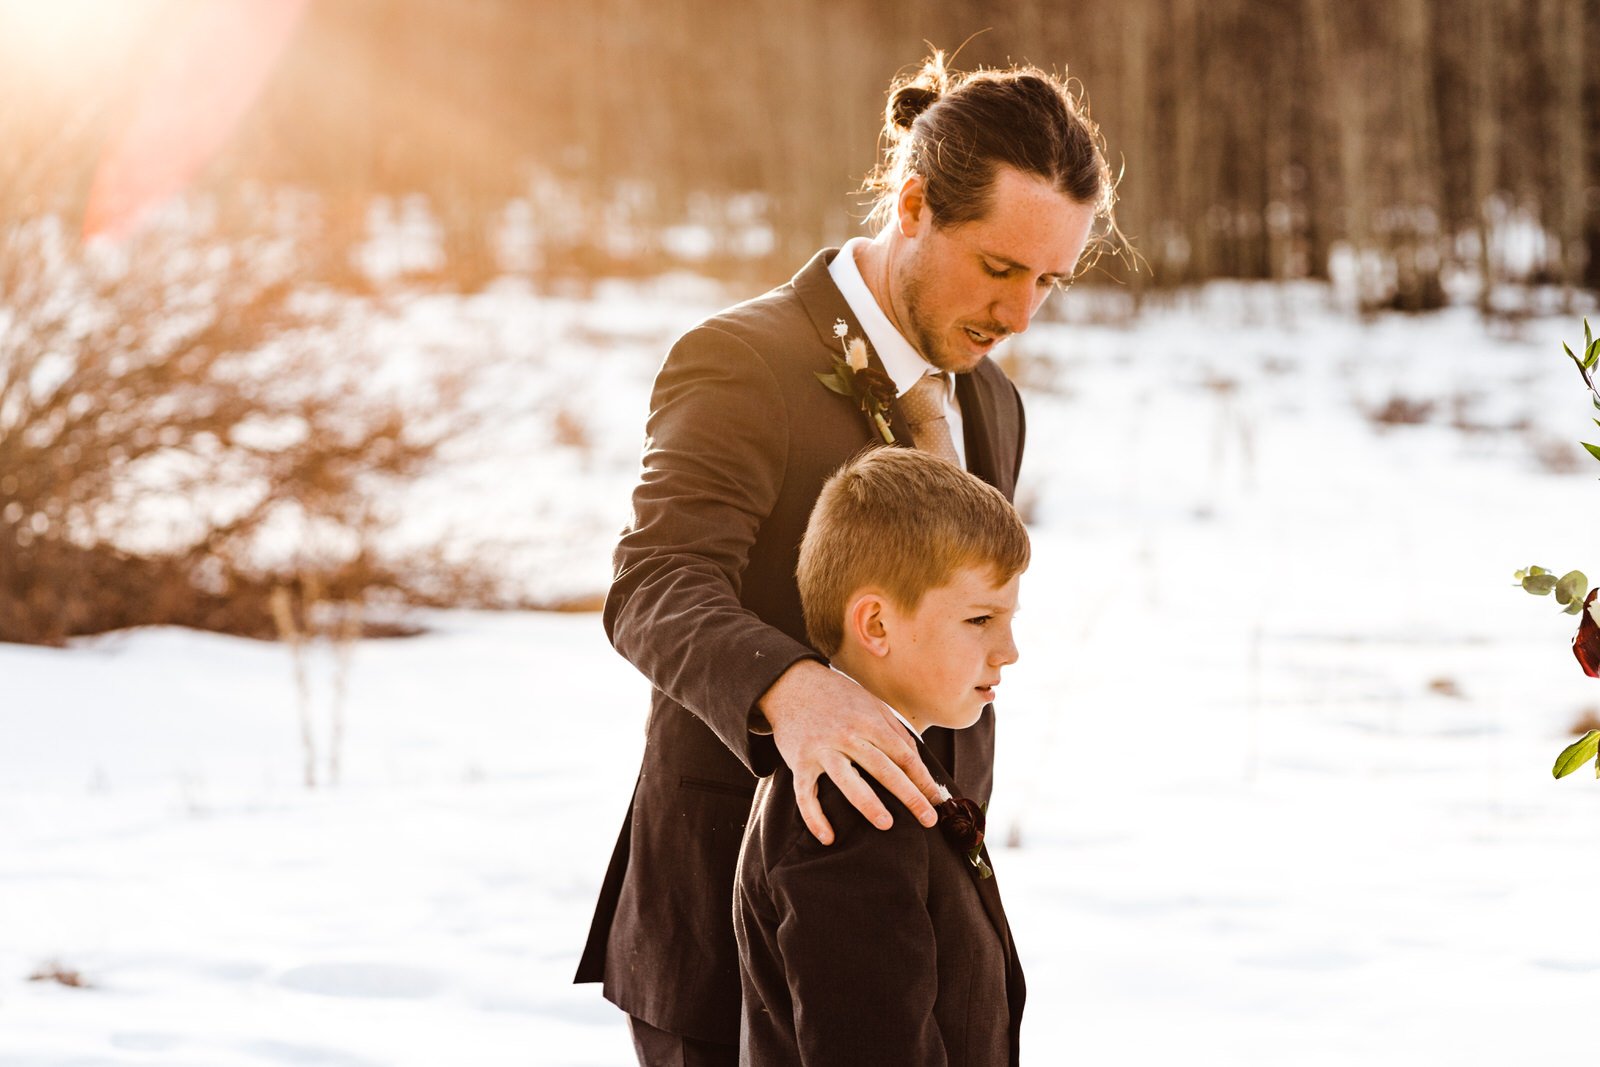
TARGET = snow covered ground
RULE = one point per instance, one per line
(1274, 765)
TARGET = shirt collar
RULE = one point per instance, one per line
(903, 363)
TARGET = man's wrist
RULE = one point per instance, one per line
(761, 713)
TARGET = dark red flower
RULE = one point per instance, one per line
(877, 386)
(961, 820)
(1586, 642)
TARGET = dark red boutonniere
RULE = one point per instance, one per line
(961, 821)
(871, 389)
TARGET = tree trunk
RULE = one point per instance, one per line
(1563, 31)
(1483, 66)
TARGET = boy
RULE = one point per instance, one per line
(889, 947)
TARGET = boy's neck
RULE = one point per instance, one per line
(863, 669)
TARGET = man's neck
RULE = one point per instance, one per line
(873, 260)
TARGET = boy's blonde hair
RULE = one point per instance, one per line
(904, 522)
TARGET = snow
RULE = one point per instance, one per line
(1274, 765)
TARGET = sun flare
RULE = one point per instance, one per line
(65, 41)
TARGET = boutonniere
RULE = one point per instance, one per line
(961, 820)
(871, 389)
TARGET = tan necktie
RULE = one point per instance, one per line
(923, 407)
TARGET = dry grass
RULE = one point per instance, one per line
(56, 971)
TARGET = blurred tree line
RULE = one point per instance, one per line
(1258, 138)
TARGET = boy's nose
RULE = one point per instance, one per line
(1005, 652)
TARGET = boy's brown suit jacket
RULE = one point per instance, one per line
(740, 437)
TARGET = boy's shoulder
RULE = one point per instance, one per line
(780, 835)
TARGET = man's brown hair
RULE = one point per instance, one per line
(904, 522)
(955, 130)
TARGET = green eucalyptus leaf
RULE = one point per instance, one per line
(832, 382)
(1593, 450)
(1568, 350)
(1577, 754)
(1572, 586)
(1574, 607)
(1587, 336)
(1539, 584)
(1537, 570)
(1591, 353)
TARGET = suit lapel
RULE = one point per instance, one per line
(825, 306)
(823, 302)
(988, 893)
(978, 426)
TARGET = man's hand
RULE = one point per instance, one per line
(822, 722)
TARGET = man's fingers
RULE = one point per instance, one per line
(929, 790)
(858, 792)
(805, 794)
(903, 774)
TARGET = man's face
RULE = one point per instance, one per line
(958, 291)
(943, 659)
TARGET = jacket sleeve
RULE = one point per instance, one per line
(858, 943)
(715, 454)
(1022, 433)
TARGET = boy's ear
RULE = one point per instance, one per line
(865, 623)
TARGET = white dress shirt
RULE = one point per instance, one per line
(903, 363)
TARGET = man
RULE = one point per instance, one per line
(986, 201)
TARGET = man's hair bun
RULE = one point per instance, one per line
(908, 102)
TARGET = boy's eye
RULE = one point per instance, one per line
(980, 620)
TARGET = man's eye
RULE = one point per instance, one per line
(994, 271)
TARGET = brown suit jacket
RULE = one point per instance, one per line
(739, 440)
(885, 948)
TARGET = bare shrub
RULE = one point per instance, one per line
(1555, 455)
(1401, 411)
(56, 971)
(1588, 719)
(178, 427)
(1445, 687)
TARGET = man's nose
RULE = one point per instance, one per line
(1015, 308)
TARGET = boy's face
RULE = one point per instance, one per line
(944, 658)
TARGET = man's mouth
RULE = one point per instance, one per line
(984, 338)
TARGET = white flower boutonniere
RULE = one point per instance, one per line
(853, 376)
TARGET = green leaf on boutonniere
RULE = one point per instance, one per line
(832, 382)
(975, 857)
(1577, 754)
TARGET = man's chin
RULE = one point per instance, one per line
(961, 357)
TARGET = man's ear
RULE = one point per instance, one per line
(866, 621)
(911, 206)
